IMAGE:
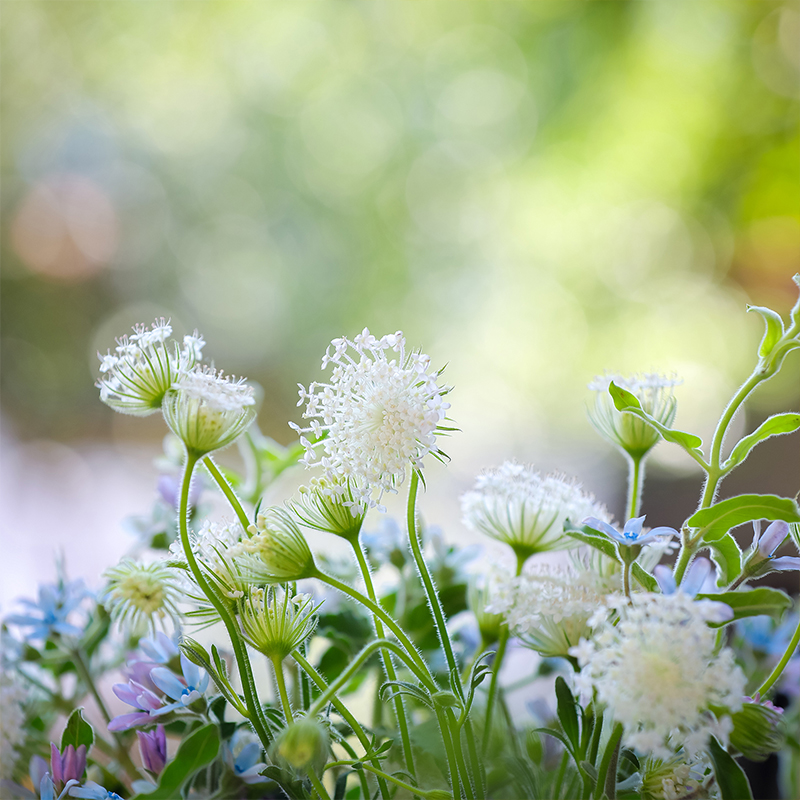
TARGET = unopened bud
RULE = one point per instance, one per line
(758, 730)
(303, 745)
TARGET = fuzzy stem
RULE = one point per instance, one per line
(388, 665)
(277, 665)
(635, 485)
(387, 777)
(343, 711)
(257, 719)
(318, 786)
(427, 580)
(227, 491)
(781, 665)
(459, 754)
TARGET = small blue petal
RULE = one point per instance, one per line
(168, 682)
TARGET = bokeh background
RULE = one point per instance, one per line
(533, 192)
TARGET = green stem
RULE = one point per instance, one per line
(415, 661)
(318, 786)
(452, 763)
(498, 663)
(257, 719)
(387, 777)
(427, 580)
(277, 665)
(781, 665)
(388, 665)
(227, 490)
(120, 751)
(475, 760)
(635, 484)
(626, 579)
(345, 676)
(606, 781)
(459, 753)
(343, 711)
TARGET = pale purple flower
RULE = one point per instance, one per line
(693, 581)
(67, 766)
(153, 747)
(136, 695)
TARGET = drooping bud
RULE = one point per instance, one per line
(304, 745)
(758, 729)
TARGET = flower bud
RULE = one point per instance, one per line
(274, 623)
(330, 507)
(304, 745)
(758, 729)
(489, 624)
(632, 434)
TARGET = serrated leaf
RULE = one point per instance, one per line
(752, 602)
(732, 781)
(774, 426)
(773, 329)
(567, 714)
(714, 522)
(195, 752)
(77, 731)
(727, 557)
(645, 579)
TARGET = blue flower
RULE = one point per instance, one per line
(184, 690)
(692, 582)
(243, 756)
(93, 791)
(49, 615)
(631, 534)
(159, 648)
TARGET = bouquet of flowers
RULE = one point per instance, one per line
(254, 667)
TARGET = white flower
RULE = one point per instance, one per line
(207, 410)
(658, 671)
(379, 415)
(140, 595)
(549, 607)
(144, 367)
(634, 435)
(12, 721)
(526, 510)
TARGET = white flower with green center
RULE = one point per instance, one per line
(379, 416)
(632, 434)
(526, 510)
(549, 606)
(139, 596)
(144, 367)
(275, 623)
(658, 670)
(207, 410)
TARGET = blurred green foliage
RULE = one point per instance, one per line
(531, 191)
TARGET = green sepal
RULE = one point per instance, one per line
(773, 329)
(774, 426)
(732, 781)
(751, 603)
(627, 401)
(727, 556)
(567, 714)
(195, 752)
(714, 522)
(77, 731)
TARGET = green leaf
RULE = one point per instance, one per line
(727, 556)
(732, 781)
(646, 580)
(195, 752)
(626, 401)
(752, 602)
(713, 523)
(587, 535)
(774, 426)
(773, 331)
(567, 714)
(77, 732)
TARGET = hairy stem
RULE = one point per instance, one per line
(227, 490)
(635, 485)
(781, 665)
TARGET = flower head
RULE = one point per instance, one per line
(332, 511)
(479, 601)
(548, 607)
(659, 671)
(67, 766)
(275, 623)
(139, 595)
(633, 532)
(243, 756)
(276, 551)
(144, 367)
(183, 689)
(304, 745)
(377, 418)
(525, 509)
(93, 791)
(208, 411)
(153, 749)
(139, 697)
(633, 435)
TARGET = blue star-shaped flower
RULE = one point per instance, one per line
(631, 534)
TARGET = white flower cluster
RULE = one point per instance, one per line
(379, 415)
(211, 545)
(549, 606)
(144, 366)
(12, 721)
(658, 671)
(527, 510)
(215, 390)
